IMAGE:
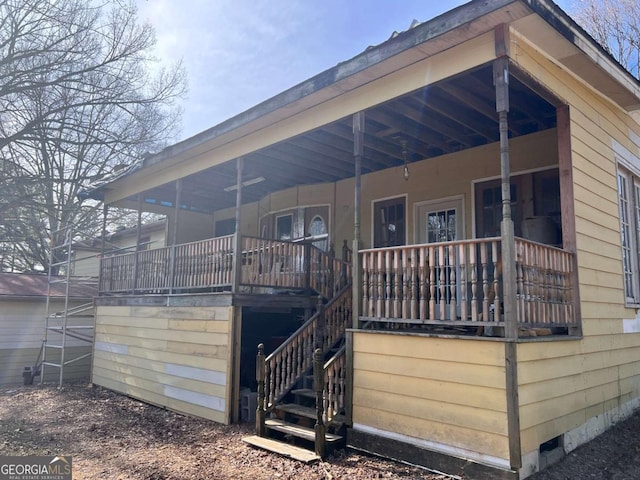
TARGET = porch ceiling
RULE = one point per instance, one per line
(446, 117)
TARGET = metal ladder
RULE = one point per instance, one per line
(57, 328)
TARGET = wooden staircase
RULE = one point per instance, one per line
(301, 386)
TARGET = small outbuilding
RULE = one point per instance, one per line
(23, 306)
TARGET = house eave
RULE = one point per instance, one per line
(434, 36)
(541, 21)
(588, 59)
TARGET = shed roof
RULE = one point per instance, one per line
(34, 285)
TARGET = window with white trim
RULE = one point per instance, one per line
(629, 203)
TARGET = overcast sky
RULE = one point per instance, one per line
(238, 53)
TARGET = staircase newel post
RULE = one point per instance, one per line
(320, 324)
(331, 276)
(260, 377)
(318, 385)
(345, 261)
(307, 265)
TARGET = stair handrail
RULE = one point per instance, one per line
(334, 385)
(289, 362)
(328, 275)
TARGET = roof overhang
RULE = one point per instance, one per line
(554, 32)
(540, 21)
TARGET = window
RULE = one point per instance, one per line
(489, 204)
(441, 226)
(225, 227)
(284, 227)
(317, 228)
(389, 223)
(629, 203)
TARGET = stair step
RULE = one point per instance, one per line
(307, 412)
(304, 392)
(298, 430)
(282, 448)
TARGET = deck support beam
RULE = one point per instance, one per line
(358, 153)
(356, 271)
(138, 237)
(501, 81)
(567, 207)
(237, 238)
(103, 247)
(174, 235)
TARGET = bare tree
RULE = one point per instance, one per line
(80, 97)
(615, 24)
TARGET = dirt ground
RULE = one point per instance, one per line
(111, 436)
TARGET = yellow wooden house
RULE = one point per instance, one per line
(450, 220)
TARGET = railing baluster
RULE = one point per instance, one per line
(380, 284)
(387, 299)
(485, 282)
(423, 282)
(432, 283)
(443, 287)
(451, 255)
(414, 283)
(463, 281)
(497, 314)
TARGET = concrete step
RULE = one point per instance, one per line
(282, 448)
(298, 430)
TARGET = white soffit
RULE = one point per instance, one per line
(586, 62)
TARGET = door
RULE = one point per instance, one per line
(442, 221)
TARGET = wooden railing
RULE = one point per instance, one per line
(461, 282)
(544, 286)
(152, 271)
(209, 264)
(202, 264)
(328, 274)
(272, 263)
(436, 281)
(293, 358)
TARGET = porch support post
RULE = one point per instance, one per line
(356, 273)
(101, 279)
(237, 238)
(501, 81)
(567, 208)
(174, 235)
(138, 236)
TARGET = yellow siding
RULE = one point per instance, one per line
(565, 384)
(176, 357)
(432, 179)
(447, 391)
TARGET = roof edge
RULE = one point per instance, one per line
(371, 56)
(566, 26)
